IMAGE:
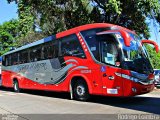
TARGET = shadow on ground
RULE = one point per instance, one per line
(139, 103)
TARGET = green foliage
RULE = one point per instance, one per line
(29, 37)
(8, 33)
(26, 19)
(154, 57)
(53, 16)
(113, 5)
(130, 13)
(57, 15)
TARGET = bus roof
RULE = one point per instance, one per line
(68, 32)
(90, 26)
(47, 39)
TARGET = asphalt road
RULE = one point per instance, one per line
(48, 105)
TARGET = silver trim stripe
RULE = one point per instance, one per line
(134, 79)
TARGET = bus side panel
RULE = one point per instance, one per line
(87, 78)
(127, 84)
(86, 69)
(37, 86)
(26, 83)
(92, 79)
(97, 85)
(6, 78)
(46, 87)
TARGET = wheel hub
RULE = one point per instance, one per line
(80, 90)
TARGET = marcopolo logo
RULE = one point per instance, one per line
(138, 117)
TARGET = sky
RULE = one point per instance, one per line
(9, 11)
(155, 32)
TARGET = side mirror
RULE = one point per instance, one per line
(125, 35)
(151, 42)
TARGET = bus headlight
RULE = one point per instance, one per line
(128, 77)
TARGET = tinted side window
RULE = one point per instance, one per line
(70, 46)
(14, 58)
(23, 57)
(93, 45)
(50, 50)
(8, 60)
(35, 54)
(4, 60)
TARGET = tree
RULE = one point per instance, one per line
(130, 13)
(53, 16)
(42, 18)
(154, 57)
(8, 34)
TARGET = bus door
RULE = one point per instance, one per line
(110, 70)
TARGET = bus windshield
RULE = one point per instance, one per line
(135, 57)
(110, 49)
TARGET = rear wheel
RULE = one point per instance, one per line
(16, 86)
(80, 90)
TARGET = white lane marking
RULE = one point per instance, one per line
(7, 94)
(10, 93)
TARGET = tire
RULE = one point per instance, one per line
(80, 91)
(16, 86)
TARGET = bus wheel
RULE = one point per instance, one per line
(80, 91)
(16, 86)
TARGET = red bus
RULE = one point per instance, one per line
(94, 59)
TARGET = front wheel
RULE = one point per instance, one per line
(16, 86)
(80, 91)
